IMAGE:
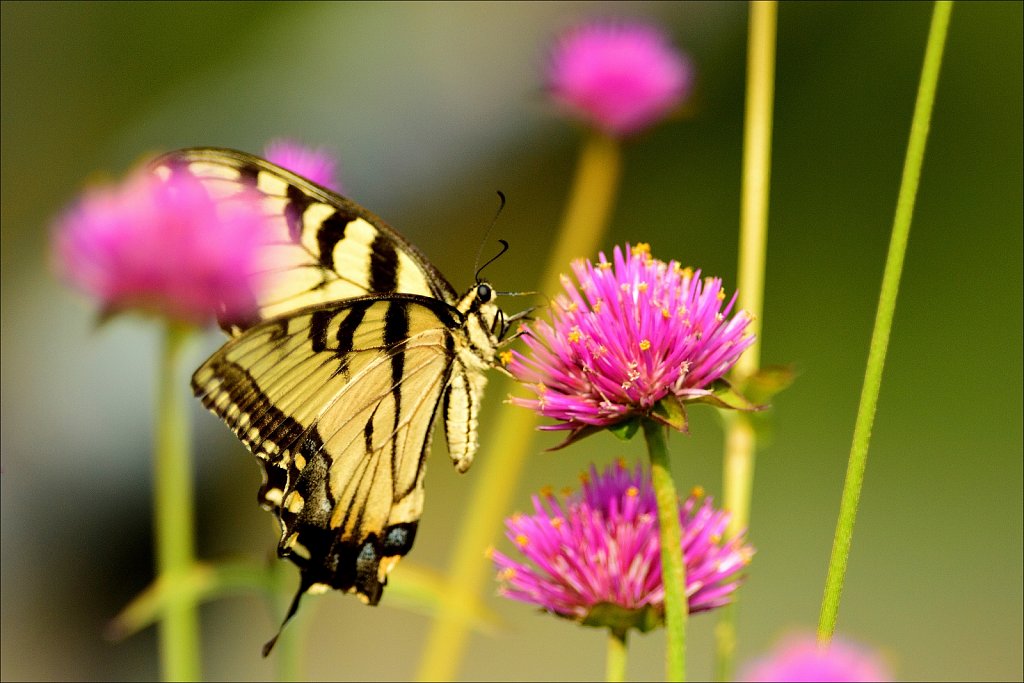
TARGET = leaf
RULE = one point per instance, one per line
(575, 435)
(670, 411)
(626, 429)
(769, 381)
(724, 395)
(620, 619)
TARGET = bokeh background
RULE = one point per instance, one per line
(431, 108)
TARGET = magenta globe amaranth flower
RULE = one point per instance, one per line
(315, 164)
(619, 76)
(800, 658)
(637, 338)
(594, 555)
(164, 246)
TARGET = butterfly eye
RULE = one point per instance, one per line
(484, 293)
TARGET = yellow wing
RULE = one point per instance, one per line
(338, 402)
(324, 248)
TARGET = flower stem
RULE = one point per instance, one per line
(583, 227)
(883, 320)
(740, 438)
(615, 664)
(173, 515)
(673, 566)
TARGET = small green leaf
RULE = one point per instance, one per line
(670, 411)
(620, 620)
(724, 395)
(575, 435)
(626, 429)
(768, 381)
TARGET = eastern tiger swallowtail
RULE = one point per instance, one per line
(334, 385)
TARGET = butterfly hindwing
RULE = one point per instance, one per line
(338, 403)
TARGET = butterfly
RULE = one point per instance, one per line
(357, 342)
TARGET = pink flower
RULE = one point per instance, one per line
(620, 77)
(163, 246)
(641, 331)
(798, 658)
(595, 557)
(314, 164)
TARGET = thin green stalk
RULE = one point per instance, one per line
(883, 320)
(179, 627)
(740, 439)
(504, 451)
(615, 664)
(673, 568)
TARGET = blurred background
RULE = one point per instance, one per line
(431, 108)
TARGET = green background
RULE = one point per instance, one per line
(431, 108)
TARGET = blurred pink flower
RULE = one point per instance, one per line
(621, 77)
(595, 557)
(798, 658)
(637, 330)
(162, 246)
(314, 164)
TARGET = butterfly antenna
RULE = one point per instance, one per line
(501, 205)
(291, 613)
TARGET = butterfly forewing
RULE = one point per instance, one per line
(323, 248)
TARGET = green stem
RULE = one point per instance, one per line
(740, 439)
(583, 227)
(673, 566)
(173, 514)
(615, 664)
(883, 320)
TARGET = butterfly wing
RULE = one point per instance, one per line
(338, 404)
(324, 248)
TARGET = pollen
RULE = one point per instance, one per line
(632, 492)
(721, 295)
(697, 491)
(575, 335)
(642, 287)
(645, 344)
(572, 307)
(489, 552)
(604, 265)
(507, 574)
(505, 357)
(686, 272)
(556, 522)
(665, 313)
(547, 491)
(597, 305)
(522, 541)
(642, 249)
